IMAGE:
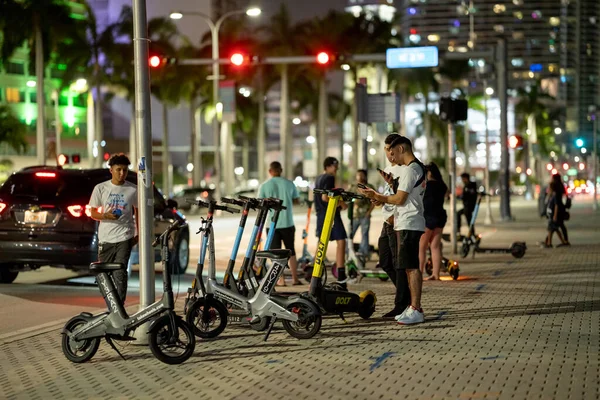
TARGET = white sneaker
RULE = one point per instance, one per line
(400, 316)
(411, 316)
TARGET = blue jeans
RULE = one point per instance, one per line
(365, 225)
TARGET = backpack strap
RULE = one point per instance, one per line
(424, 176)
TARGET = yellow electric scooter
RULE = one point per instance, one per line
(334, 298)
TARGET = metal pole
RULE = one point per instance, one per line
(488, 200)
(322, 124)
(57, 123)
(214, 30)
(502, 76)
(39, 73)
(262, 170)
(144, 130)
(452, 161)
(284, 124)
(165, 152)
(595, 161)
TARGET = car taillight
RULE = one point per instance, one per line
(45, 174)
(2, 207)
(78, 211)
(205, 194)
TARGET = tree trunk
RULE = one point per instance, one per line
(165, 157)
(39, 72)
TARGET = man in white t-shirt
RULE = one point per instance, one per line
(114, 205)
(409, 221)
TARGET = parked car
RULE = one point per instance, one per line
(186, 197)
(45, 220)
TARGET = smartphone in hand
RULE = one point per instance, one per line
(361, 186)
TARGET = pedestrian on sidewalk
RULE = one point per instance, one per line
(114, 205)
(555, 212)
(285, 230)
(469, 198)
(435, 220)
(387, 239)
(409, 220)
(338, 233)
(361, 213)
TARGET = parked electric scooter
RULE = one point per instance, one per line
(301, 317)
(335, 298)
(171, 339)
(517, 249)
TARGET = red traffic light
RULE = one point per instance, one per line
(76, 158)
(323, 58)
(155, 61)
(237, 59)
(62, 159)
(106, 156)
(515, 142)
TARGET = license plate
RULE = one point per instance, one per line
(33, 217)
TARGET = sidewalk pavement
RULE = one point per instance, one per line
(509, 328)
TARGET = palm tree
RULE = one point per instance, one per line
(12, 131)
(39, 22)
(532, 108)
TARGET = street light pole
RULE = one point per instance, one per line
(214, 32)
(595, 160)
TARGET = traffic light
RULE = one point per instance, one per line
(323, 58)
(75, 158)
(155, 61)
(237, 59)
(106, 156)
(579, 142)
(62, 159)
(515, 142)
(158, 60)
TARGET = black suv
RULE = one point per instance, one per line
(45, 220)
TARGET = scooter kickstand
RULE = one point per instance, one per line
(343, 319)
(110, 342)
(270, 328)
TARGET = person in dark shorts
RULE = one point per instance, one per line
(469, 198)
(435, 220)
(409, 221)
(114, 205)
(555, 212)
(338, 233)
(285, 230)
(387, 239)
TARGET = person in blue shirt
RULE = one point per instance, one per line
(285, 230)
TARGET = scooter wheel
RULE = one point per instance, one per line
(517, 250)
(308, 324)
(78, 351)
(169, 347)
(261, 325)
(215, 322)
(366, 308)
(454, 273)
(429, 267)
(464, 251)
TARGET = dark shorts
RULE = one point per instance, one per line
(436, 221)
(117, 253)
(338, 232)
(408, 249)
(287, 236)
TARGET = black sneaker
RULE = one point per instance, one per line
(394, 312)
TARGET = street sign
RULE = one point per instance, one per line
(412, 57)
(383, 107)
(227, 95)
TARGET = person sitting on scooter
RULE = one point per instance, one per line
(338, 233)
(409, 221)
(114, 205)
(387, 238)
(285, 230)
(361, 214)
(469, 198)
(435, 220)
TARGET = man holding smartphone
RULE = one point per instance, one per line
(409, 221)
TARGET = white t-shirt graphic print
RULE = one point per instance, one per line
(116, 197)
(389, 209)
(410, 216)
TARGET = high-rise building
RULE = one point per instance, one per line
(531, 28)
(580, 65)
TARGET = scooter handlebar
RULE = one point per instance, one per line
(236, 202)
(175, 226)
(199, 203)
(228, 209)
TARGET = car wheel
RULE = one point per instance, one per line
(180, 255)
(7, 276)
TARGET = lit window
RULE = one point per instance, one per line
(433, 38)
(517, 62)
(518, 35)
(554, 21)
(537, 14)
(499, 8)
(12, 95)
(518, 2)
(499, 28)
(518, 15)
